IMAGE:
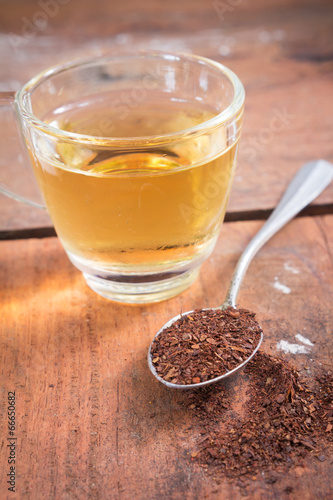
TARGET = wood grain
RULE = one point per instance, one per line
(282, 51)
(92, 423)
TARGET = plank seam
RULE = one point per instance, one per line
(239, 216)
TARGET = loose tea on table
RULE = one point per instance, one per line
(266, 422)
(281, 421)
(205, 344)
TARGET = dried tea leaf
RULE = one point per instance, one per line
(195, 346)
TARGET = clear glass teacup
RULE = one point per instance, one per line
(134, 156)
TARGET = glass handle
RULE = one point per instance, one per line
(8, 99)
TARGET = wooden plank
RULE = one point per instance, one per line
(91, 420)
(281, 51)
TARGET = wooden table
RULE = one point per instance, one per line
(91, 421)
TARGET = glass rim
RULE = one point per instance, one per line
(231, 110)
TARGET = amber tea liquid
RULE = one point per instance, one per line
(141, 209)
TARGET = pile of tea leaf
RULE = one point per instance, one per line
(283, 421)
(205, 344)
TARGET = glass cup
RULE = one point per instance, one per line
(134, 156)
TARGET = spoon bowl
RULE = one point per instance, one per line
(206, 382)
(307, 184)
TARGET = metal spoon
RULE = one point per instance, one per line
(307, 184)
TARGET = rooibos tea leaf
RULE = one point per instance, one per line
(205, 344)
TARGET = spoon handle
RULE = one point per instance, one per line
(307, 184)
